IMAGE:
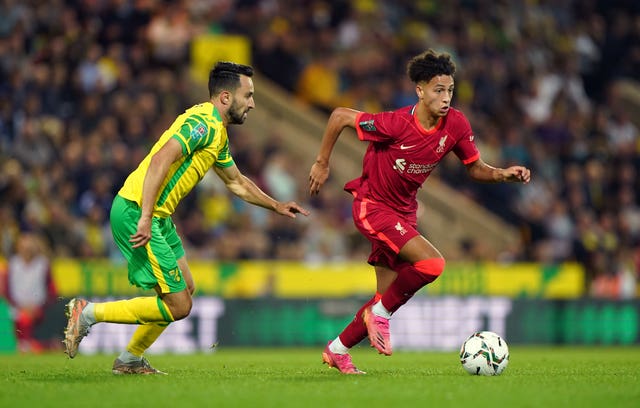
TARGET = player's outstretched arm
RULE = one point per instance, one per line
(482, 172)
(246, 189)
(339, 119)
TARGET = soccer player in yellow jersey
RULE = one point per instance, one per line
(141, 217)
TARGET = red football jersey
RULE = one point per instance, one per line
(401, 154)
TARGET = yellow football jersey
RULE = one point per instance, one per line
(204, 142)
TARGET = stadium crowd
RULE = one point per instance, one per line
(86, 86)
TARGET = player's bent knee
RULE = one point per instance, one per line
(430, 268)
(180, 306)
(181, 311)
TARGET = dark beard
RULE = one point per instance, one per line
(236, 117)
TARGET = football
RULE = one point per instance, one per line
(484, 353)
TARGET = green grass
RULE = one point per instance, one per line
(536, 377)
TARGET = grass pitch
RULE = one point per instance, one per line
(230, 377)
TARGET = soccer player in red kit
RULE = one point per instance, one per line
(405, 145)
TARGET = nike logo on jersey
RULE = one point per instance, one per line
(403, 147)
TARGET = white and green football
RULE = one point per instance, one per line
(484, 353)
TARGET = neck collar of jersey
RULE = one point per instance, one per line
(422, 130)
(215, 112)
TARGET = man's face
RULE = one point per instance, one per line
(436, 94)
(242, 101)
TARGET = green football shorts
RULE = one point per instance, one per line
(156, 262)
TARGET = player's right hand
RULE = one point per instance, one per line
(317, 176)
(143, 233)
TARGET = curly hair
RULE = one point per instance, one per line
(430, 64)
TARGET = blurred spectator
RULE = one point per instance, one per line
(622, 135)
(169, 33)
(275, 52)
(84, 86)
(29, 288)
(320, 82)
(278, 177)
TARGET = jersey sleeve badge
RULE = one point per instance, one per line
(368, 126)
(198, 131)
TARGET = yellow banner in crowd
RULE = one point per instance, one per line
(302, 280)
(208, 49)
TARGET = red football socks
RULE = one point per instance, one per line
(410, 280)
(356, 331)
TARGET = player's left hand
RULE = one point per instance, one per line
(517, 174)
(290, 209)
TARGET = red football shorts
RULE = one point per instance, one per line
(387, 230)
